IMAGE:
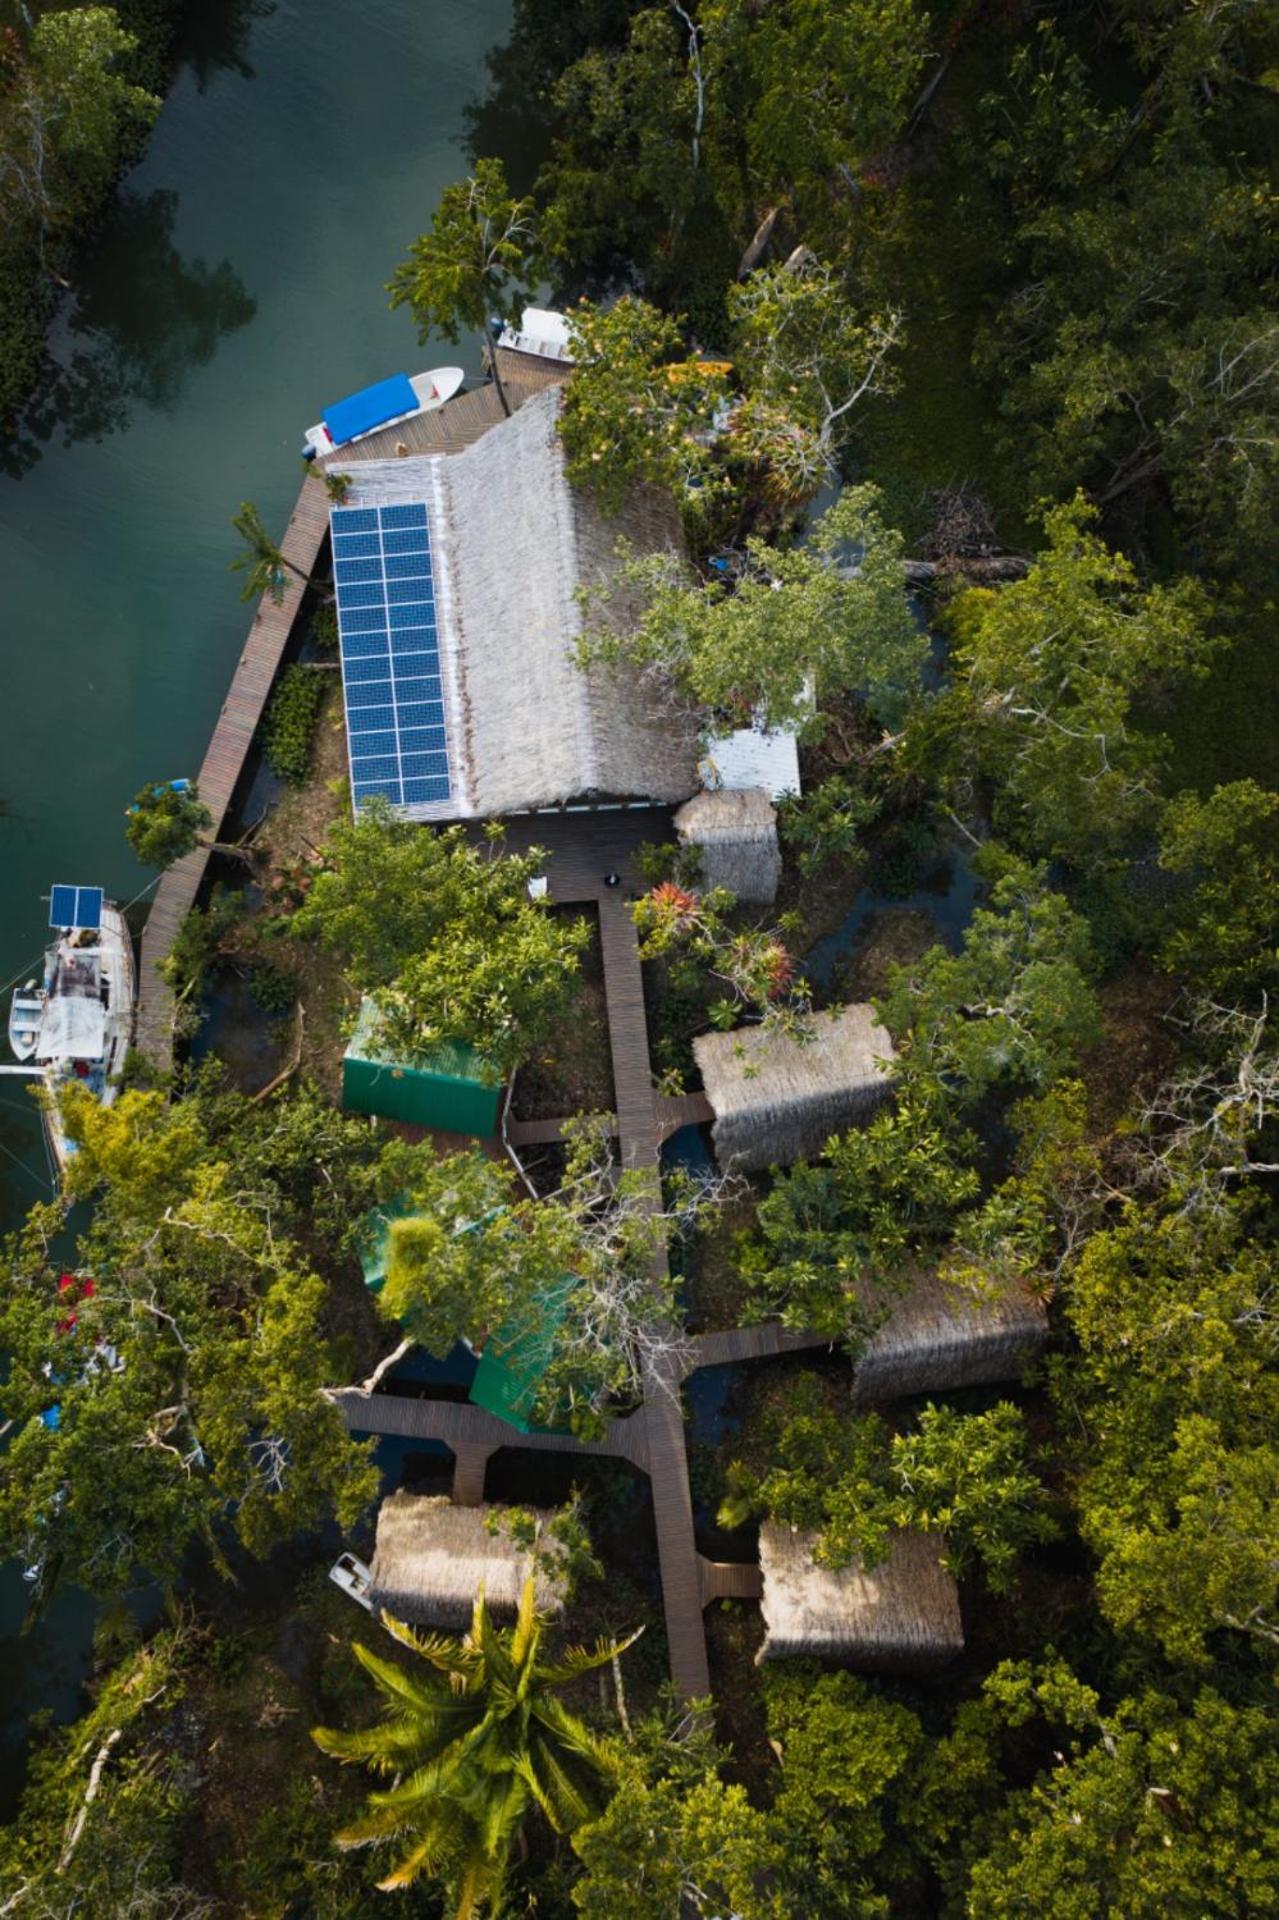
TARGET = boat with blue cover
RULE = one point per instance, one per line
(387, 403)
(75, 1022)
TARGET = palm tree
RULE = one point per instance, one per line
(470, 1747)
(263, 563)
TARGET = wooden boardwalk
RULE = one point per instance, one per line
(585, 848)
(674, 1111)
(452, 427)
(223, 763)
(466, 1428)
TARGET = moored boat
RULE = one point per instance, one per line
(75, 1023)
(387, 403)
(543, 334)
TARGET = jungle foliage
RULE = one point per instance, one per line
(1009, 273)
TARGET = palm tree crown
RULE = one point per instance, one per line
(469, 1747)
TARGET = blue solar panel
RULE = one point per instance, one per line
(75, 906)
(390, 654)
(398, 517)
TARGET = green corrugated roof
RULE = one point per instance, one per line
(375, 1241)
(516, 1357)
(452, 1060)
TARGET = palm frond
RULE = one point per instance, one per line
(527, 1631)
(396, 1686)
(448, 1654)
(578, 1660)
(566, 1785)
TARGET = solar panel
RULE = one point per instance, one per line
(385, 587)
(75, 906)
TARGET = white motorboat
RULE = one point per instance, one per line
(75, 1023)
(388, 403)
(543, 333)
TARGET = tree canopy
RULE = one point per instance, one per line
(799, 627)
(444, 937)
(171, 1385)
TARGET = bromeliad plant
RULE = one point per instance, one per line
(753, 965)
(470, 1748)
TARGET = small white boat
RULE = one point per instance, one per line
(354, 1578)
(388, 403)
(76, 1022)
(542, 332)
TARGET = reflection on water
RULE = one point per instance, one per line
(212, 37)
(142, 318)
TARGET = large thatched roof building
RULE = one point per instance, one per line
(777, 1099)
(501, 716)
(904, 1613)
(432, 1558)
(735, 832)
(938, 1337)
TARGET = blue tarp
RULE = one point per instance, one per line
(370, 408)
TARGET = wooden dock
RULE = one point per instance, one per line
(223, 763)
(448, 430)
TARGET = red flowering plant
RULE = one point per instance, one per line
(754, 964)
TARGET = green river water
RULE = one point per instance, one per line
(236, 290)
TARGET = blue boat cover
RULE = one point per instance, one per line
(370, 408)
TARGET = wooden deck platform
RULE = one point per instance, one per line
(459, 422)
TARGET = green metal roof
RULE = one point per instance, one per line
(516, 1357)
(452, 1060)
(375, 1240)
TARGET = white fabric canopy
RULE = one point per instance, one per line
(73, 1028)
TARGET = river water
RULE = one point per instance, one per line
(237, 289)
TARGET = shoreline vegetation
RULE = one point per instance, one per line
(947, 342)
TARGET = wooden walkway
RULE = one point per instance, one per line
(451, 428)
(674, 1111)
(585, 849)
(223, 763)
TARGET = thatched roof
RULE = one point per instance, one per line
(904, 1613)
(512, 543)
(736, 833)
(778, 1099)
(938, 1337)
(432, 1557)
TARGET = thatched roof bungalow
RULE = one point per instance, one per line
(511, 545)
(902, 1614)
(938, 1337)
(778, 1099)
(432, 1558)
(735, 832)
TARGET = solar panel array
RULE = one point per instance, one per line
(390, 654)
(75, 906)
